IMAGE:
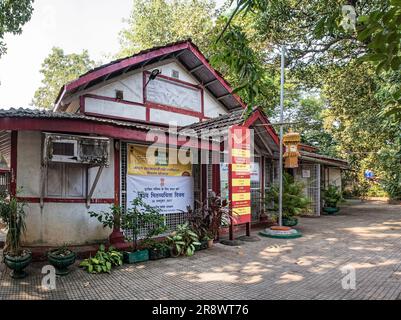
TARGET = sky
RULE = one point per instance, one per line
(73, 25)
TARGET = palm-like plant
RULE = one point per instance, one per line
(294, 200)
(332, 196)
(13, 215)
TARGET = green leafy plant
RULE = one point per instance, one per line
(183, 240)
(332, 196)
(208, 218)
(111, 219)
(103, 261)
(294, 200)
(12, 213)
(142, 216)
(62, 251)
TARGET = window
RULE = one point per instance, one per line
(175, 74)
(119, 95)
(65, 180)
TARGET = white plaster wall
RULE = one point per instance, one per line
(115, 109)
(335, 177)
(132, 85)
(58, 223)
(162, 116)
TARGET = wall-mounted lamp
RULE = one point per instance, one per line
(153, 76)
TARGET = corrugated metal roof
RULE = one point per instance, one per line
(222, 122)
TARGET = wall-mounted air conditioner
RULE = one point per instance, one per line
(76, 149)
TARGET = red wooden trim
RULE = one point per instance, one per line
(82, 126)
(184, 83)
(258, 115)
(152, 105)
(13, 162)
(82, 104)
(216, 179)
(202, 103)
(204, 182)
(125, 63)
(99, 97)
(66, 200)
(4, 170)
(117, 146)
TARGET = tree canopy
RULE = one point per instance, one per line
(57, 69)
(13, 15)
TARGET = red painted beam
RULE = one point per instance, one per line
(125, 63)
(82, 126)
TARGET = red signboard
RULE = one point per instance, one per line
(239, 175)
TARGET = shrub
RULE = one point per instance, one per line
(103, 261)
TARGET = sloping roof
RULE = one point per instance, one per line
(222, 122)
(312, 156)
(49, 114)
(186, 52)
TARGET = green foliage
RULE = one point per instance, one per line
(152, 244)
(12, 213)
(143, 216)
(61, 251)
(381, 30)
(184, 240)
(13, 15)
(110, 219)
(158, 22)
(103, 261)
(294, 200)
(332, 196)
(207, 219)
(58, 69)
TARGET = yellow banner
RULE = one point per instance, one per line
(241, 211)
(155, 163)
(241, 196)
(241, 182)
(240, 153)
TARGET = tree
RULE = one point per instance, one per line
(158, 22)
(13, 15)
(57, 69)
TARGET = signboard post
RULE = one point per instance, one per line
(239, 177)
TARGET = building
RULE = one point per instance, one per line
(79, 157)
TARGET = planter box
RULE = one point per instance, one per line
(137, 256)
(202, 246)
(159, 254)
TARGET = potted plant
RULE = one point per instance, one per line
(61, 258)
(13, 215)
(157, 249)
(207, 220)
(331, 196)
(294, 200)
(183, 241)
(138, 218)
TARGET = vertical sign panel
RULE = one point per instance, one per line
(240, 175)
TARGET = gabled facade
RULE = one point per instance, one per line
(124, 101)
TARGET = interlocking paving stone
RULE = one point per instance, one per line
(366, 236)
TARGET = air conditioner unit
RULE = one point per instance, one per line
(76, 149)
